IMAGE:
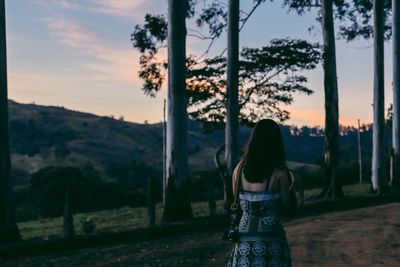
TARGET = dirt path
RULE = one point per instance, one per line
(363, 237)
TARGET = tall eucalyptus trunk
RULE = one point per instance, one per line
(378, 162)
(396, 95)
(332, 189)
(177, 199)
(8, 225)
(232, 108)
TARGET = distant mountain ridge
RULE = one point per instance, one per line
(49, 135)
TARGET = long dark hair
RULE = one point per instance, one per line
(264, 151)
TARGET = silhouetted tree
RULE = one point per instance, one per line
(378, 158)
(356, 17)
(331, 102)
(332, 188)
(232, 95)
(268, 76)
(8, 225)
(177, 201)
(396, 96)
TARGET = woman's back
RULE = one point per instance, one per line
(260, 203)
(269, 184)
(264, 189)
(262, 239)
(260, 216)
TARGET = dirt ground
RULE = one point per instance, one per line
(363, 237)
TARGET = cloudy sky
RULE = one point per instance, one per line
(78, 54)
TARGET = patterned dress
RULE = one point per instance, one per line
(262, 239)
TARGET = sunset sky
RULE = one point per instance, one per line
(78, 54)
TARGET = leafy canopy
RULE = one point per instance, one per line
(268, 76)
(354, 17)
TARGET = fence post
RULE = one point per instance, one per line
(151, 203)
(212, 207)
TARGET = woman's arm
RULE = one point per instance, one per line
(284, 184)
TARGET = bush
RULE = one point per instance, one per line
(45, 196)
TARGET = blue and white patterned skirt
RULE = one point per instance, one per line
(262, 253)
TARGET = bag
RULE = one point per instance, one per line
(232, 231)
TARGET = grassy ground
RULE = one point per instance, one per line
(127, 218)
(361, 237)
(355, 190)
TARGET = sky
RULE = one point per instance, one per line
(78, 54)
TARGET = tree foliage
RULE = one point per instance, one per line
(268, 76)
(354, 17)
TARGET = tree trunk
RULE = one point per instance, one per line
(8, 225)
(232, 108)
(378, 158)
(68, 215)
(177, 201)
(396, 95)
(332, 187)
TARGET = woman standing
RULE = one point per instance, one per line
(264, 191)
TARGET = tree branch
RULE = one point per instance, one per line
(251, 12)
(267, 79)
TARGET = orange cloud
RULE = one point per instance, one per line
(307, 116)
(316, 116)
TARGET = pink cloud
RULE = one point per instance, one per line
(119, 8)
(60, 3)
(73, 34)
(111, 64)
(122, 66)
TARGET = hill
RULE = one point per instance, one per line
(48, 135)
(116, 149)
(117, 157)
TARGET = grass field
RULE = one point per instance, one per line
(128, 218)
